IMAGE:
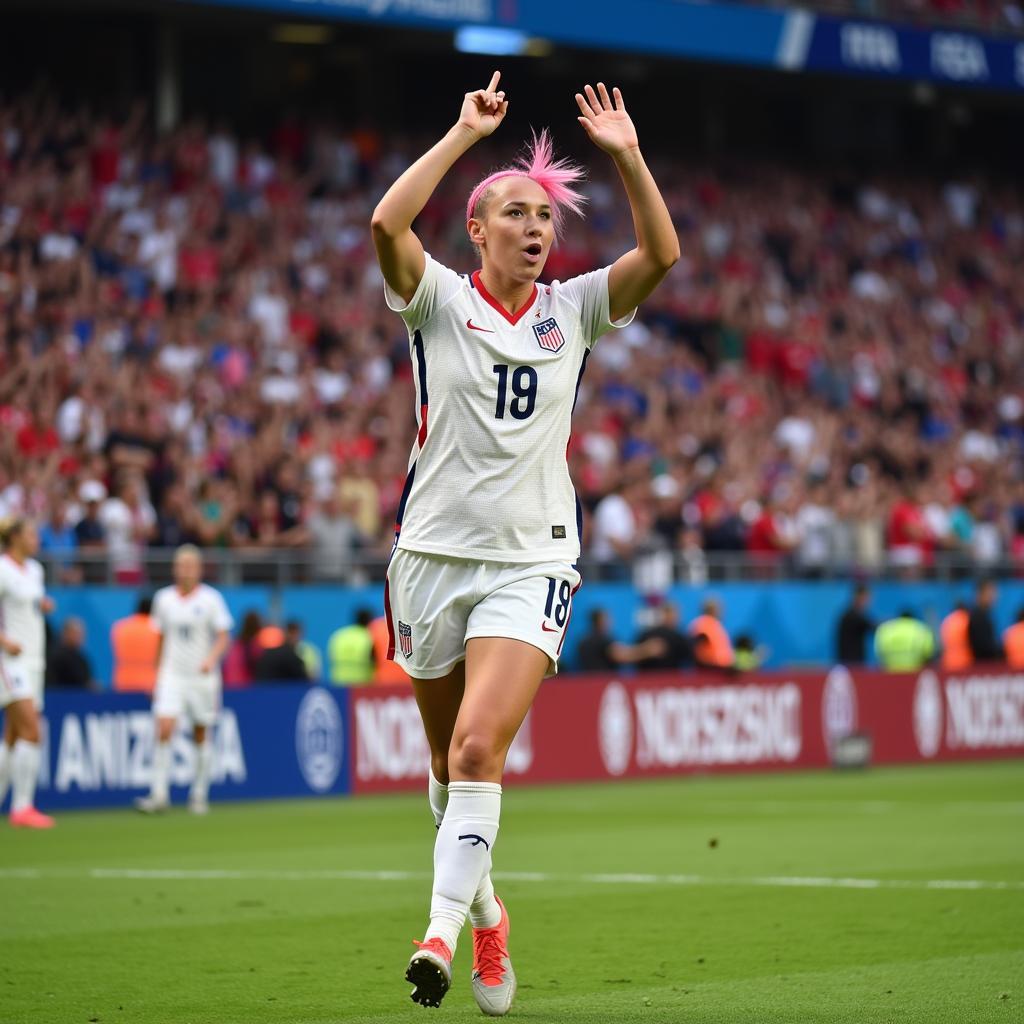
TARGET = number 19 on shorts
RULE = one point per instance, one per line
(561, 609)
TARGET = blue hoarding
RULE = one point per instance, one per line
(792, 39)
(874, 48)
(270, 741)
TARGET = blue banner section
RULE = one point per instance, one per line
(874, 48)
(270, 741)
(795, 40)
(739, 34)
(795, 620)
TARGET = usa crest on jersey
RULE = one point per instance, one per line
(549, 335)
(405, 638)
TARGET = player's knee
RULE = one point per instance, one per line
(165, 731)
(474, 757)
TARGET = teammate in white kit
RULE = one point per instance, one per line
(194, 625)
(23, 603)
(480, 585)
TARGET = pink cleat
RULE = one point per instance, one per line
(494, 981)
(430, 970)
(29, 817)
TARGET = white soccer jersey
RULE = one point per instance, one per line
(22, 589)
(488, 476)
(189, 624)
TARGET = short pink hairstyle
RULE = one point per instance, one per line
(556, 177)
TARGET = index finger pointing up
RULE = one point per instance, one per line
(494, 81)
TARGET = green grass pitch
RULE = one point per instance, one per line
(709, 900)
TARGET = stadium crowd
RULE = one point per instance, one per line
(195, 347)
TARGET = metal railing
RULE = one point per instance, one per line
(651, 572)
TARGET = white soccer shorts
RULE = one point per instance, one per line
(20, 681)
(196, 698)
(435, 604)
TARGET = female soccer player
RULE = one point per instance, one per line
(195, 629)
(23, 603)
(480, 584)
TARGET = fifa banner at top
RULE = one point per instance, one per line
(795, 40)
(295, 740)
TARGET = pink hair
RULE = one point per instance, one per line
(554, 176)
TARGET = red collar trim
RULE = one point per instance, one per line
(512, 318)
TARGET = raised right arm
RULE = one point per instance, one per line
(399, 251)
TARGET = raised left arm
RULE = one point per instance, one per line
(635, 274)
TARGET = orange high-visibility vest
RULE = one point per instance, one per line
(956, 649)
(135, 643)
(1013, 642)
(714, 647)
(384, 671)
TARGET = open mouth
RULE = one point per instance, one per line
(534, 250)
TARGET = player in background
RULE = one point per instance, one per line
(480, 585)
(194, 625)
(23, 603)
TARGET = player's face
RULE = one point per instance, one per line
(188, 571)
(27, 541)
(516, 231)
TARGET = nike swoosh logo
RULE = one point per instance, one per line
(473, 327)
(477, 840)
(547, 628)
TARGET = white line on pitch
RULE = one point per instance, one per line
(328, 875)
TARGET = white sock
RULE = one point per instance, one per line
(25, 772)
(484, 911)
(462, 855)
(5, 770)
(204, 762)
(437, 795)
(159, 780)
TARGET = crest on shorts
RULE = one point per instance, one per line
(549, 334)
(405, 638)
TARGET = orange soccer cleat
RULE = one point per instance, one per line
(29, 817)
(430, 970)
(494, 981)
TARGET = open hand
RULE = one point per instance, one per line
(609, 126)
(483, 110)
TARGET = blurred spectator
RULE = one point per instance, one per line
(350, 652)
(600, 652)
(712, 647)
(854, 628)
(240, 662)
(293, 635)
(334, 537)
(953, 635)
(749, 655)
(981, 629)
(904, 644)
(384, 671)
(281, 661)
(67, 667)
(136, 647)
(677, 650)
(129, 523)
(89, 531)
(1013, 641)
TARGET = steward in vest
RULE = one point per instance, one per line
(1013, 641)
(136, 647)
(350, 652)
(712, 647)
(956, 648)
(904, 644)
